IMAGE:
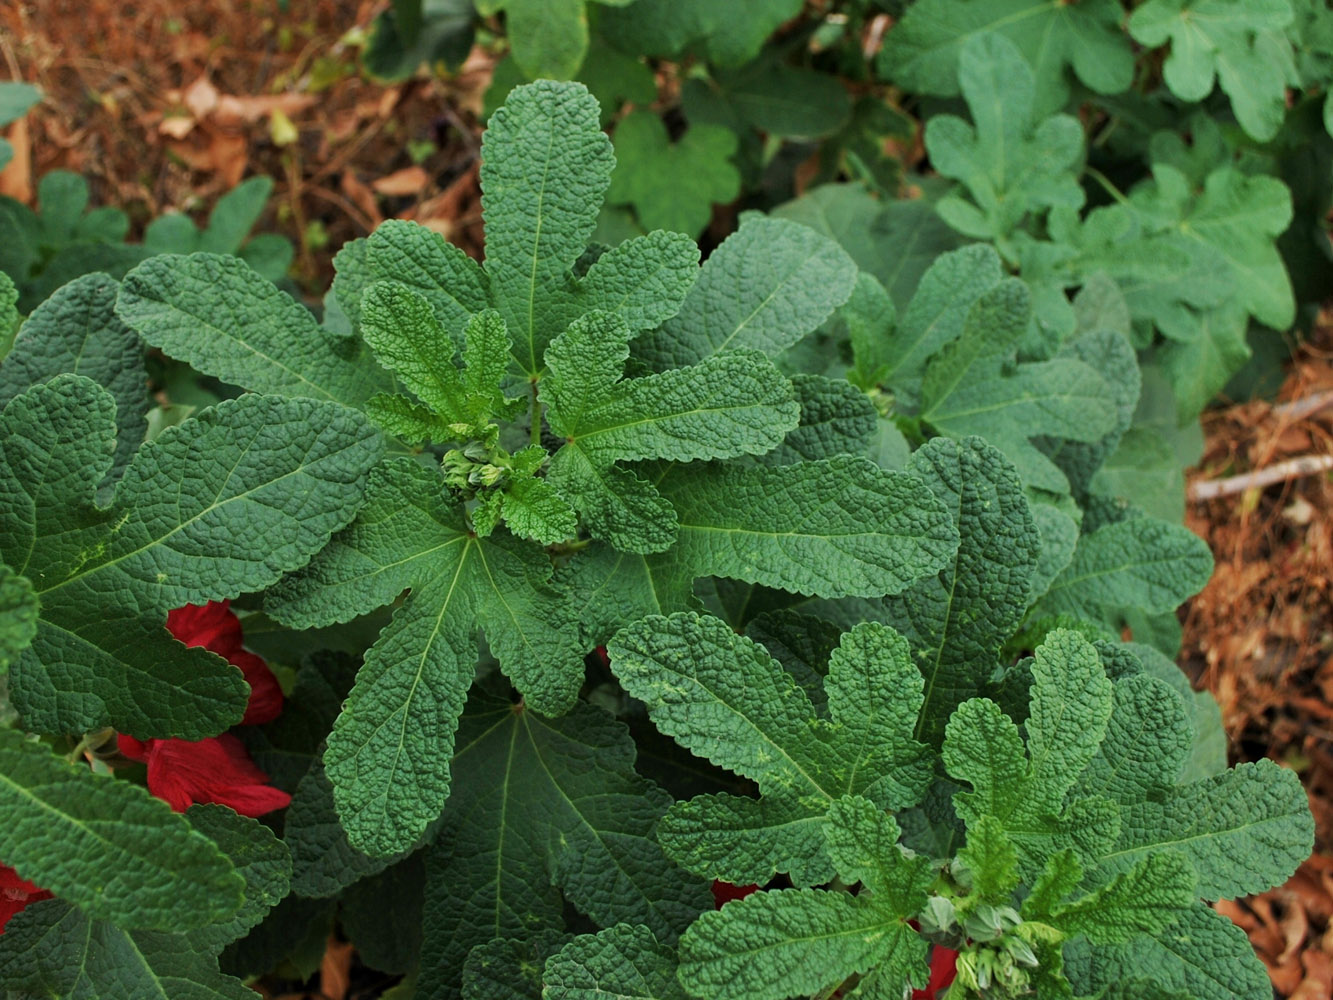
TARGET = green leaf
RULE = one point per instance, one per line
(643, 280)
(451, 281)
(15, 99)
(510, 968)
(1147, 742)
(991, 861)
(226, 502)
(323, 862)
(546, 165)
(833, 528)
(724, 698)
(83, 836)
(215, 313)
(1241, 45)
(1070, 707)
(768, 285)
(895, 241)
(759, 96)
(1203, 955)
(836, 419)
(726, 405)
(923, 53)
(748, 841)
(1139, 563)
(1244, 831)
(773, 945)
(863, 843)
(400, 325)
(382, 914)
(958, 619)
(19, 610)
(1152, 895)
(623, 962)
(1011, 163)
(606, 588)
(53, 948)
(617, 506)
(76, 330)
(262, 860)
(544, 808)
(672, 185)
(972, 386)
(383, 752)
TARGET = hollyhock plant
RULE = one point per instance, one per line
(216, 628)
(218, 769)
(15, 894)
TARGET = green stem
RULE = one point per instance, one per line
(1106, 184)
(535, 415)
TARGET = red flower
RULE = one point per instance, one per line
(214, 627)
(943, 968)
(15, 894)
(725, 892)
(217, 769)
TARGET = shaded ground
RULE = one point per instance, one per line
(164, 105)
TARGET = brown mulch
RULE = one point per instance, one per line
(163, 105)
(1260, 637)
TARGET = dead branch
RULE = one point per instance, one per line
(1294, 468)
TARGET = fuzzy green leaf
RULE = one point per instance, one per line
(724, 406)
(958, 619)
(973, 387)
(1139, 563)
(384, 752)
(545, 807)
(1244, 831)
(262, 860)
(76, 330)
(54, 949)
(218, 315)
(85, 837)
(768, 285)
(223, 503)
(19, 611)
(1203, 955)
(1012, 164)
(832, 528)
(545, 166)
(773, 945)
(672, 185)
(747, 841)
(623, 962)
(1152, 895)
(643, 280)
(451, 281)
(1241, 45)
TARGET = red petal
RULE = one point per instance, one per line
(214, 627)
(725, 892)
(265, 703)
(210, 625)
(132, 748)
(943, 969)
(15, 894)
(12, 883)
(218, 769)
